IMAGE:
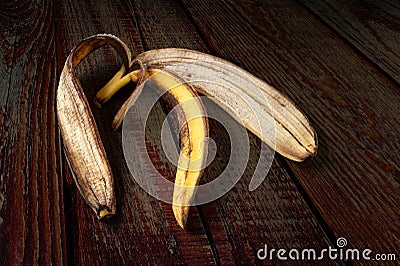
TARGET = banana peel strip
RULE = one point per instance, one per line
(83, 147)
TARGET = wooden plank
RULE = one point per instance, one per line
(241, 222)
(31, 185)
(144, 230)
(372, 27)
(354, 180)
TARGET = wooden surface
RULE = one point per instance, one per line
(337, 60)
(371, 27)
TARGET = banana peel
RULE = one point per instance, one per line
(247, 98)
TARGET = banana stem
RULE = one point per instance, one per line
(115, 84)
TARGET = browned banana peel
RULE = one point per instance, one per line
(248, 99)
(83, 147)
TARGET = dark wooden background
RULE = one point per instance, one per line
(338, 60)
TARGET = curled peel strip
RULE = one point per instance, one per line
(295, 137)
(82, 143)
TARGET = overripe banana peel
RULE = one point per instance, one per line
(192, 128)
(83, 147)
(248, 99)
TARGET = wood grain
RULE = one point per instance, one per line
(354, 179)
(31, 184)
(144, 230)
(372, 27)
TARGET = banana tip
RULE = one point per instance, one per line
(182, 223)
(181, 214)
(104, 213)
